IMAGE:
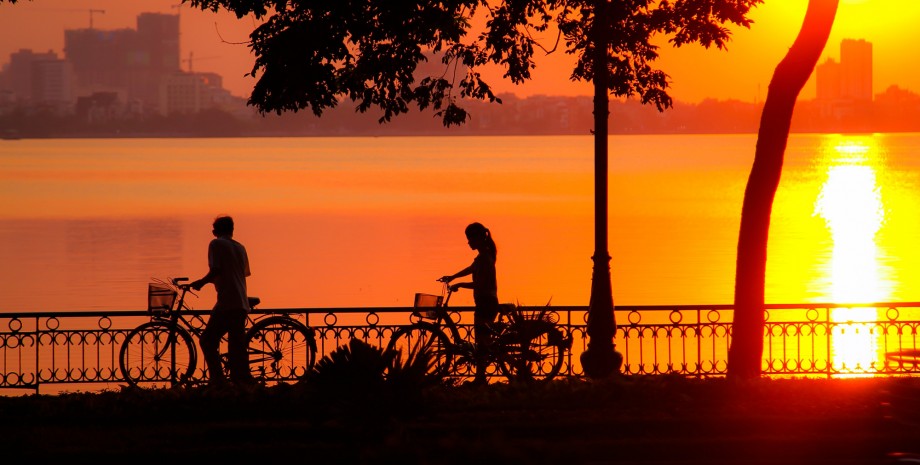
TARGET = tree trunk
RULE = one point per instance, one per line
(746, 352)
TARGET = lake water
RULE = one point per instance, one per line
(344, 222)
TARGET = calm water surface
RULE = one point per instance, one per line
(342, 222)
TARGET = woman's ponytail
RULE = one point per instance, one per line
(482, 232)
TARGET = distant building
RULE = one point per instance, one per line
(100, 107)
(856, 69)
(828, 82)
(38, 79)
(52, 83)
(182, 93)
(851, 78)
(18, 73)
(158, 54)
(188, 93)
(845, 88)
(128, 61)
(100, 58)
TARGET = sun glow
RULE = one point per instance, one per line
(851, 205)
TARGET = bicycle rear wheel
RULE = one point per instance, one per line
(411, 341)
(533, 355)
(280, 349)
(158, 354)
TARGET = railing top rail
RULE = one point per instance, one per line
(343, 310)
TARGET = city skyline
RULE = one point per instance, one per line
(144, 65)
(217, 41)
(117, 75)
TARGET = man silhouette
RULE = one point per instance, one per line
(228, 267)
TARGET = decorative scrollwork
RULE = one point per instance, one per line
(684, 340)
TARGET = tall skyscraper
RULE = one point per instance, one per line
(827, 80)
(850, 80)
(131, 62)
(856, 69)
(99, 58)
(157, 54)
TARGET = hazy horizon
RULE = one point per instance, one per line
(217, 42)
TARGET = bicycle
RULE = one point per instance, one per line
(523, 346)
(162, 353)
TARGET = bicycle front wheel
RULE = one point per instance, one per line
(533, 355)
(158, 354)
(280, 349)
(423, 339)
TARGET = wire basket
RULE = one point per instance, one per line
(160, 298)
(430, 302)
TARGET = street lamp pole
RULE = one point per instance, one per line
(600, 359)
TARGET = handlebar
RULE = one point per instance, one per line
(449, 291)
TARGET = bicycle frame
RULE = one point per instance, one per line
(280, 347)
(519, 346)
(462, 347)
(443, 319)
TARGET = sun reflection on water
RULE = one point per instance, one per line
(850, 202)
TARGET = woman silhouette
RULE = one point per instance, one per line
(484, 286)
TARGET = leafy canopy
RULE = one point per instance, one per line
(312, 53)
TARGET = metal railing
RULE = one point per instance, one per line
(79, 350)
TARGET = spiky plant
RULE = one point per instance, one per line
(353, 366)
(368, 380)
(412, 371)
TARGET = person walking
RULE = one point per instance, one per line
(228, 268)
(485, 290)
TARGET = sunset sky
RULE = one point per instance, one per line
(743, 72)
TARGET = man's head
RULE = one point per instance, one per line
(223, 226)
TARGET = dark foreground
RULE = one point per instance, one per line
(645, 420)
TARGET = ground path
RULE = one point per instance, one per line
(636, 419)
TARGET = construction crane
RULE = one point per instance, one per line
(91, 11)
(191, 58)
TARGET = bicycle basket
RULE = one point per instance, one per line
(428, 301)
(160, 298)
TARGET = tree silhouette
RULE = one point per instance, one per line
(746, 351)
(314, 54)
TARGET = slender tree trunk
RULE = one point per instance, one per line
(600, 359)
(746, 352)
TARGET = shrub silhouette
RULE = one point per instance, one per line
(361, 377)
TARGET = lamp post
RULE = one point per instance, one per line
(600, 359)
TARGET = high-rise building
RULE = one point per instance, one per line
(827, 79)
(99, 58)
(18, 73)
(131, 62)
(156, 54)
(856, 69)
(38, 79)
(52, 83)
(850, 80)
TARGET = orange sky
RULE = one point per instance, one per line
(743, 72)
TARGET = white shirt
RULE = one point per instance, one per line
(228, 261)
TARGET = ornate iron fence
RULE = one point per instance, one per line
(79, 350)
